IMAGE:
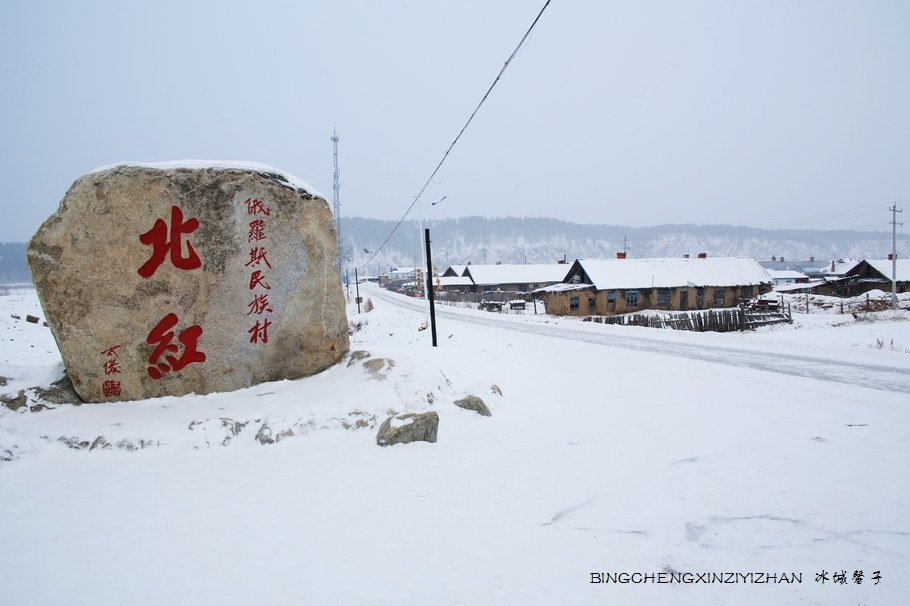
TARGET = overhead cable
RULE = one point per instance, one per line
(463, 128)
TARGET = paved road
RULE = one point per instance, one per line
(880, 377)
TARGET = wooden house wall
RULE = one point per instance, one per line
(600, 303)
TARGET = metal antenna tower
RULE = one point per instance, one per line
(894, 225)
(336, 198)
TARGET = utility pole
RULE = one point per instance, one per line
(625, 245)
(357, 288)
(429, 283)
(336, 199)
(894, 225)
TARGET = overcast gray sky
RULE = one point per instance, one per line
(782, 114)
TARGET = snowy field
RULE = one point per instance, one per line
(612, 452)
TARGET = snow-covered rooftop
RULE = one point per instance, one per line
(796, 287)
(786, 274)
(489, 275)
(454, 281)
(671, 273)
(883, 266)
(458, 270)
(841, 266)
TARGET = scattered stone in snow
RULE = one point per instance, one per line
(411, 427)
(100, 442)
(39, 407)
(287, 433)
(31, 318)
(495, 389)
(60, 392)
(14, 402)
(74, 442)
(264, 435)
(379, 367)
(233, 426)
(357, 356)
(3, 381)
(359, 423)
(474, 403)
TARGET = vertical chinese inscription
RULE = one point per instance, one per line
(259, 306)
(167, 241)
(110, 386)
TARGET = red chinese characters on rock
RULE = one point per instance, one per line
(259, 305)
(110, 388)
(260, 331)
(168, 240)
(255, 206)
(111, 366)
(162, 337)
(258, 260)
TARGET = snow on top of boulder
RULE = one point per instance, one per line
(291, 180)
(401, 421)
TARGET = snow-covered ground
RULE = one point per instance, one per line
(611, 449)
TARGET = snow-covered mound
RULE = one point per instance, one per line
(610, 450)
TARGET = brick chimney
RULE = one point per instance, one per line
(620, 255)
(702, 255)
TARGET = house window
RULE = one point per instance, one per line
(720, 294)
(663, 297)
(611, 300)
(573, 303)
(592, 305)
(631, 298)
(747, 291)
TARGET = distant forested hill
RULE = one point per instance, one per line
(535, 240)
(515, 240)
(12, 264)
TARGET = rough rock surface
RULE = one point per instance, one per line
(168, 280)
(411, 427)
(473, 403)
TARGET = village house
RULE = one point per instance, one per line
(615, 286)
(873, 274)
(787, 276)
(514, 278)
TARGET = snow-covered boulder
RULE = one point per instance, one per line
(189, 277)
(411, 427)
(474, 403)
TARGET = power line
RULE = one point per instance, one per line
(856, 212)
(463, 128)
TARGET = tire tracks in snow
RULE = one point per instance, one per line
(872, 376)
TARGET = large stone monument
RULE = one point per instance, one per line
(168, 279)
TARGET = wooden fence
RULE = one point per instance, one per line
(715, 320)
